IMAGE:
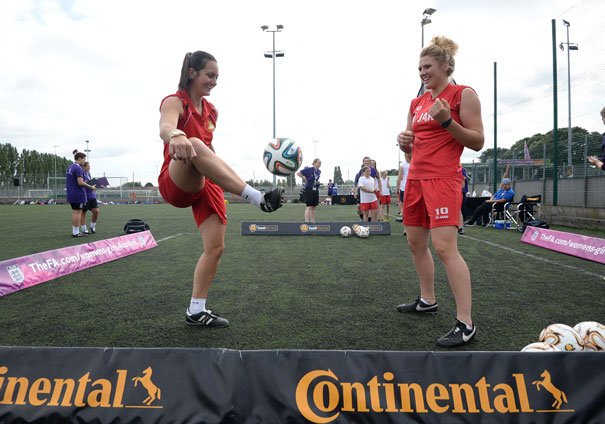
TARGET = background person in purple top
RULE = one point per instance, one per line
(310, 176)
(91, 204)
(76, 191)
(502, 196)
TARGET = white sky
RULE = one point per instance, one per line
(76, 70)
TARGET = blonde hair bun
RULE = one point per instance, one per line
(446, 44)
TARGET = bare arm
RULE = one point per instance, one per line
(470, 133)
(84, 184)
(180, 148)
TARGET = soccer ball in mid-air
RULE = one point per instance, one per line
(562, 337)
(282, 157)
(539, 347)
(592, 334)
(363, 232)
(345, 231)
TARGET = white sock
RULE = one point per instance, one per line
(75, 230)
(93, 225)
(427, 302)
(83, 228)
(197, 305)
(252, 195)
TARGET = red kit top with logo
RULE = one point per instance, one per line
(436, 153)
(192, 122)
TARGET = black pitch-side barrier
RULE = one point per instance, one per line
(116, 385)
(274, 228)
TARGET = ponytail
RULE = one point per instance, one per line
(195, 61)
(78, 155)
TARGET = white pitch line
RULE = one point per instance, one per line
(169, 237)
(529, 255)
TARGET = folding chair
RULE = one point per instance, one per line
(502, 212)
(527, 209)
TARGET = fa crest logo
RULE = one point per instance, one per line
(15, 273)
(534, 236)
(304, 228)
(153, 391)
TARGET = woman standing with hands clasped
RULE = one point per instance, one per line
(440, 124)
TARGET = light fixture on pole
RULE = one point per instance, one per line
(272, 55)
(426, 19)
(315, 148)
(570, 46)
(87, 150)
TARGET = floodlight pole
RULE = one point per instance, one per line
(570, 46)
(273, 55)
(55, 166)
(87, 150)
(426, 19)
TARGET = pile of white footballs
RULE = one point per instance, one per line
(584, 336)
(359, 230)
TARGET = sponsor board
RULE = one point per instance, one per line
(26, 271)
(309, 229)
(220, 385)
(585, 247)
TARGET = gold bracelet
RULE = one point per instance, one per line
(176, 133)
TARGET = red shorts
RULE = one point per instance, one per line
(385, 200)
(209, 200)
(432, 203)
(368, 206)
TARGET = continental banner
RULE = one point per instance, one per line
(275, 228)
(94, 385)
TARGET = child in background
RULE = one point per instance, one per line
(368, 202)
(385, 193)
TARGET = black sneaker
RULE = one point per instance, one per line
(78, 235)
(457, 336)
(273, 200)
(461, 230)
(92, 231)
(207, 318)
(469, 224)
(399, 219)
(86, 233)
(418, 306)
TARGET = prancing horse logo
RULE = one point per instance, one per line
(153, 391)
(558, 394)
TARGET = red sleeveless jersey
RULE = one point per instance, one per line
(192, 122)
(436, 153)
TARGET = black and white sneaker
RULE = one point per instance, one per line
(457, 336)
(418, 306)
(273, 200)
(78, 235)
(93, 231)
(206, 318)
(461, 231)
(469, 224)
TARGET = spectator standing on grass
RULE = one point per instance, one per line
(385, 193)
(310, 177)
(368, 202)
(75, 188)
(440, 124)
(402, 178)
(599, 162)
(91, 204)
(192, 175)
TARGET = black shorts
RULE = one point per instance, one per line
(311, 197)
(91, 204)
(77, 206)
(401, 195)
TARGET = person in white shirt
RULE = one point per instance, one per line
(385, 193)
(402, 178)
(368, 202)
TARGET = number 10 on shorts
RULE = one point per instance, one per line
(442, 213)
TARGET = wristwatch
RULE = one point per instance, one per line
(176, 133)
(446, 123)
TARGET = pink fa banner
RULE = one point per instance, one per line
(26, 271)
(591, 248)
